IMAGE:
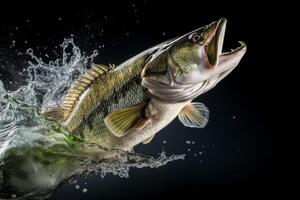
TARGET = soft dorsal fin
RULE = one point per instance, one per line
(62, 112)
(194, 115)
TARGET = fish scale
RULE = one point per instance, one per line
(118, 89)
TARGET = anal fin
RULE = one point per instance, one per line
(148, 140)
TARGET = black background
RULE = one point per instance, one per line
(236, 144)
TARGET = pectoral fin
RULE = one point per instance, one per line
(134, 117)
(194, 115)
(148, 140)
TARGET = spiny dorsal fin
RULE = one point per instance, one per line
(79, 86)
(194, 115)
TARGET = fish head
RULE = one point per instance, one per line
(193, 63)
(198, 56)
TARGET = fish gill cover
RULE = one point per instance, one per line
(37, 154)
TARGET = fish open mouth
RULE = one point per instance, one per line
(214, 44)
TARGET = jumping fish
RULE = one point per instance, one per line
(120, 107)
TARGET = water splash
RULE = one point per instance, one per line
(37, 154)
(48, 82)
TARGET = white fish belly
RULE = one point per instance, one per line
(166, 114)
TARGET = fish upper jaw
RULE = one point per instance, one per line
(214, 42)
(217, 61)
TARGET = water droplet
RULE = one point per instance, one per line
(164, 142)
(84, 190)
(25, 42)
(195, 154)
(193, 142)
(59, 19)
(17, 28)
(188, 142)
(163, 33)
(13, 196)
(189, 149)
(234, 117)
(77, 186)
(127, 34)
(200, 153)
(201, 161)
(95, 52)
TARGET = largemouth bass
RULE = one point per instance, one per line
(114, 107)
(120, 107)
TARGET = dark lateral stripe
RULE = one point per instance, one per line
(102, 108)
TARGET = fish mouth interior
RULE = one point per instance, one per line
(214, 45)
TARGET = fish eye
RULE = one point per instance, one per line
(195, 37)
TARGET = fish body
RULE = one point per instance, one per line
(118, 89)
(120, 107)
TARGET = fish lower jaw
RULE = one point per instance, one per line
(237, 50)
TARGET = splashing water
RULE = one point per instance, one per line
(37, 154)
(48, 82)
